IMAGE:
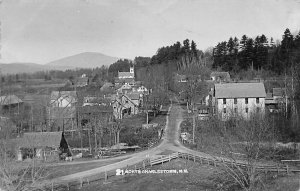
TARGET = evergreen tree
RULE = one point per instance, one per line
(286, 48)
(243, 42)
(230, 46)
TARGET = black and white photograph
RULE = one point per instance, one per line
(146, 95)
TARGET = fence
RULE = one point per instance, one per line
(221, 161)
(66, 185)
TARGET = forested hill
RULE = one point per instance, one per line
(175, 57)
(259, 53)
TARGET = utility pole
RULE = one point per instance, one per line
(194, 125)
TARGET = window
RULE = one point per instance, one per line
(246, 109)
(224, 100)
(235, 110)
(246, 100)
(257, 100)
(224, 110)
(235, 100)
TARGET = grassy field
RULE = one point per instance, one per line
(63, 170)
(197, 178)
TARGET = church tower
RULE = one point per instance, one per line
(132, 70)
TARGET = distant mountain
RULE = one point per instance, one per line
(14, 68)
(85, 60)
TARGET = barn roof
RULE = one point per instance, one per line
(10, 99)
(41, 139)
(240, 90)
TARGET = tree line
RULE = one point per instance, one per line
(258, 53)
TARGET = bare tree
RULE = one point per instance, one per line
(17, 177)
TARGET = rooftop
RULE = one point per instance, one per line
(41, 139)
(240, 90)
(125, 75)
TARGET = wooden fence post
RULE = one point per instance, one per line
(52, 186)
(81, 183)
(169, 158)
(105, 176)
(194, 158)
(287, 170)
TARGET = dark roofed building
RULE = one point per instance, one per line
(40, 142)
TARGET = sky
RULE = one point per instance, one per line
(41, 31)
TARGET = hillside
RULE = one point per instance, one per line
(85, 60)
(14, 68)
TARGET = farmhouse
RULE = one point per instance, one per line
(239, 99)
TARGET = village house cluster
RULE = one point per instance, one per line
(49, 117)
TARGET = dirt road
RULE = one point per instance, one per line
(170, 143)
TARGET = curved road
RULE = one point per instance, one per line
(170, 142)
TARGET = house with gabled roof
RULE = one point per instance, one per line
(63, 98)
(124, 89)
(130, 104)
(220, 76)
(62, 110)
(239, 99)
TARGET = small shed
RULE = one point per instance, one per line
(42, 145)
